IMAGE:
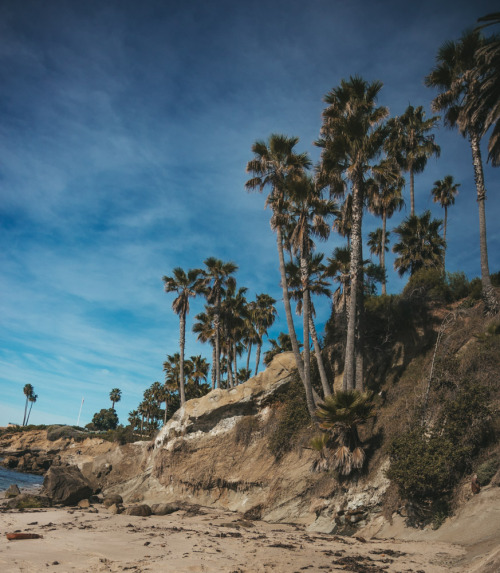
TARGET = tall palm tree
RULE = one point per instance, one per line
(172, 378)
(250, 334)
(27, 391)
(411, 143)
(115, 396)
(487, 104)
(32, 399)
(216, 277)
(186, 286)
(384, 199)
(444, 192)
(310, 212)
(455, 76)
(233, 315)
(378, 244)
(351, 138)
(317, 285)
(204, 328)
(264, 316)
(200, 369)
(339, 268)
(134, 419)
(420, 244)
(343, 220)
(275, 165)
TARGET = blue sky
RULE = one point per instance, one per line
(125, 129)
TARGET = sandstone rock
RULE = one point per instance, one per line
(27, 500)
(115, 508)
(12, 491)
(111, 499)
(141, 510)
(66, 485)
(10, 462)
(166, 508)
(84, 503)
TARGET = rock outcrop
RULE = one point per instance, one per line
(66, 485)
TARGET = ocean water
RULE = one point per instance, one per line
(8, 477)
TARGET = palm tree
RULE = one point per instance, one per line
(455, 75)
(310, 212)
(200, 369)
(134, 419)
(216, 277)
(316, 285)
(275, 165)
(351, 137)
(186, 286)
(115, 396)
(282, 344)
(27, 391)
(264, 315)
(233, 315)
(32, 399)
(385, 197)
(444, 192)
(339, 268)
(204, 328)
(487, 104)
(250, 334)
(340, 415)
(411, 143)
(420, 245)
(378, 246)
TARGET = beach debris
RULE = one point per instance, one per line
(21, 535)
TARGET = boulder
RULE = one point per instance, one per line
(12, 491)
(84, 503)
(66, 485)
(115, 508)
(166, 508)
(27, 500)
(112, 499)
(140, 510)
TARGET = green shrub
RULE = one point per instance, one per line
(476, 289)
(429, 284)
(458, 285)
(290, 417)
(426, 464)
(487, 470)
(106, 419)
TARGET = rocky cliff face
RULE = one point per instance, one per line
(214, 452)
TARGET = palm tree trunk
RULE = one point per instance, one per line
(25, 409)
(288, 308)
(489, 294)
(382, 254)
(248, 355)
(235, 365)
(319, 359)
(350, 351)
(182, 342)
(444, 236)
(214, 360)
(306, 309)
(217, 340)
(229, 370)
(166, 410)
(360, 384)
(29, 413)
(412, 191)
(257, 357)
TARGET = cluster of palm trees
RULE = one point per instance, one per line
(31, 398)
(161, 400)
(230, 323)
(363, 158)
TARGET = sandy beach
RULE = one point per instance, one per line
(206, 541)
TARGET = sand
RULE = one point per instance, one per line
(211, 541)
